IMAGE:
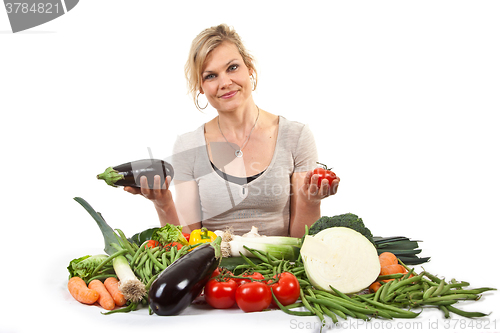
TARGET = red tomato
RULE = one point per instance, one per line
(152, 243)
(287, 289)
(324, 173)
(253, 296)
(215, 273)
(172, 244)
(254, 275)
(220, 294)
(186, 235)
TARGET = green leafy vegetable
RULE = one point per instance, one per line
(169, 233)
(84, 266)
(142, 236)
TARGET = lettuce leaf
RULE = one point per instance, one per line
(169, 233)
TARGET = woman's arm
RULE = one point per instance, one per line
(305, 200)
(187, 210)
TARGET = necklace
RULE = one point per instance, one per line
(239, 152)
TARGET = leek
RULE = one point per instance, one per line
(130, 286)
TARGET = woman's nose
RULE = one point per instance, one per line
(225, 80)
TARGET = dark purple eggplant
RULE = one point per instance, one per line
(180, 283)
(129, 174)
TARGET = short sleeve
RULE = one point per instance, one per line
(183, 161)
(306, 154)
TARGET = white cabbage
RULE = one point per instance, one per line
(342, 258)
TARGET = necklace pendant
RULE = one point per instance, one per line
(238, 153)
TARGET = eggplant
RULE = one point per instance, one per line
(130, 173)
(180, 283)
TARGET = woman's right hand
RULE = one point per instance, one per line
(160, 194)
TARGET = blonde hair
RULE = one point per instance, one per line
(203, 44)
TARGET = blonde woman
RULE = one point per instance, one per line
(246, 167)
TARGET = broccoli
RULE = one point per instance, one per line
(348, 220)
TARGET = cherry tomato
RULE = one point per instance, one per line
(254, 275)
(220, 294)
(324, 173)
(253, 296)
(287, 289)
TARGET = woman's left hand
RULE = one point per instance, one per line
(313, 192)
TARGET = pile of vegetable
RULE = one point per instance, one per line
(337, 270)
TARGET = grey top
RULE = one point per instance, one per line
(265, 201)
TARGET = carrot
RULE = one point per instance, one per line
(111, 285)
(374, 286)
(105, 300)
(392, 269)
(79, 290)
(387, 258)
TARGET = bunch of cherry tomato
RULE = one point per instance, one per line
(250, 291)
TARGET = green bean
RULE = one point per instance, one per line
(172, 253)
(445, 310)
(181, 252)
(137, 253)
(319, 312)
(131, 307)
(147, 268)
(439, 289)
(401, 283)
(465, 313)
(288, 311)
(280, 267)
(329, 313)
(101, 277)
(125, 242)
(384, 292)
(467, 291)
(108, 259)
(143, 256)
(433, 278)
(294, 305)
(395, 311)
(450, 297)
(154, 260)
(164, 259)
(438, 303)
(117, 247)
(332, 304)
(428, 293)
(303, 282)
(305, 302)
(377, 294)
(390, 276)
(257, 254)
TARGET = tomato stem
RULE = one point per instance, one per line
(324, 166)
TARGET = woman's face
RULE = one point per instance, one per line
(225, 78)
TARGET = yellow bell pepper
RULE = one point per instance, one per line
(202, 235)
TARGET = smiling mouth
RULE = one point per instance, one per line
(229, 94)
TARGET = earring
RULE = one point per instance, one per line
(198, 105)
(254, 84)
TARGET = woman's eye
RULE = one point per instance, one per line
(209, 76)
(233, 68)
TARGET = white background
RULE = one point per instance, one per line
(402, 96)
